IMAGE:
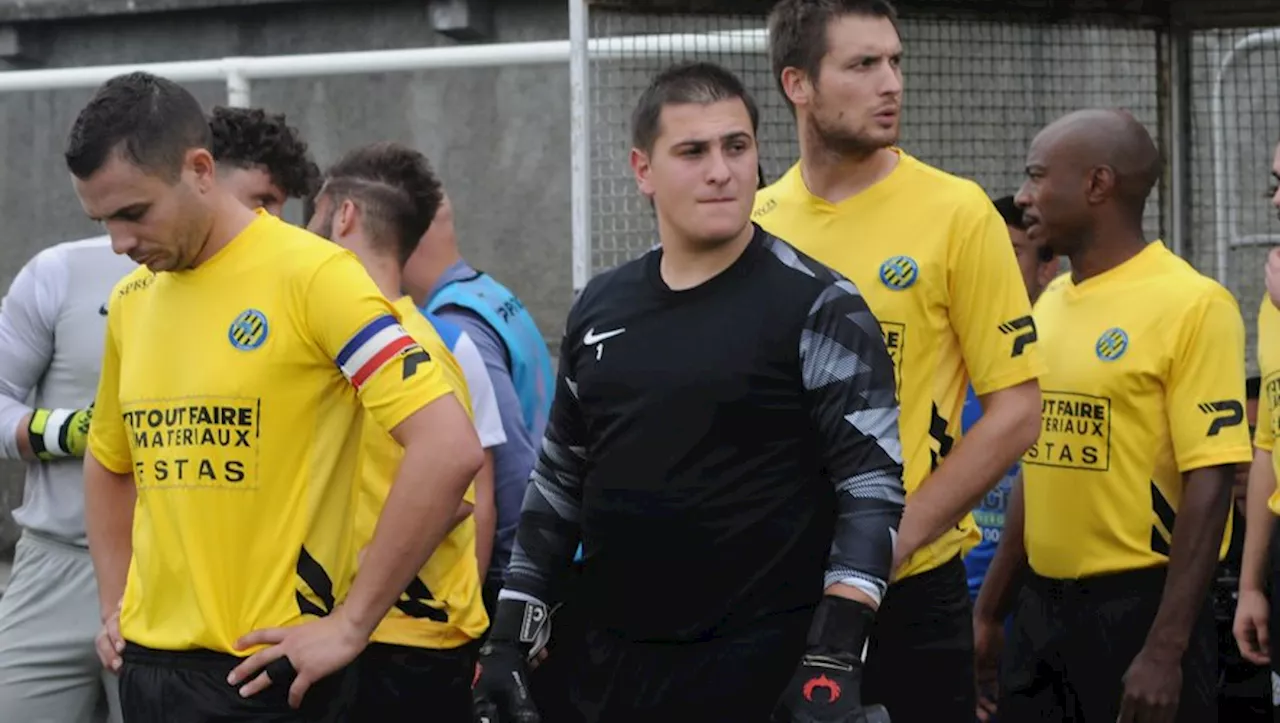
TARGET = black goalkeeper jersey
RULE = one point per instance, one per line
(722, 452)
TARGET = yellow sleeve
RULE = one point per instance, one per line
(361, 331)
(1204, 393)
(989, 308)
(1264, 437)
(108, 440)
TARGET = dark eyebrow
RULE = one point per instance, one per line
(702, 142)
(133, 210)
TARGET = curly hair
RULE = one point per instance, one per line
(247, 137)
(396, 182)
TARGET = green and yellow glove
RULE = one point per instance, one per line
(58, 433)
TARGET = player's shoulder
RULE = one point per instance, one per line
(797, 270)
(295, 248)
(133, 284)
(60, 254)
(1183, 282)
(620, 281)
(962, 195)
(771, 196)
(1267, 311)
(1054, 288)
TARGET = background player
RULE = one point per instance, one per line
(1244, 687)
(641, 463)
(1257, 619)
(932, 258)
(377, 201)
(194, 414)
(1038, 266)
(261, 159)
(1143, 425)
(51, 326)
(445, 286)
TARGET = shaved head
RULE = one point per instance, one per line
(1088, 170)
(1111, 139)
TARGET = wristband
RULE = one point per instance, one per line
(840, 624)
(524, 621)
(48, 432)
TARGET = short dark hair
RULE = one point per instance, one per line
(248, 137)
(1010, 212)
(698, 82)
(798, 32)
(398, 192)
(151, 121)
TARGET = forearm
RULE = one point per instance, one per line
(1008, 565)
(1259, 523)
(868, 509)
(460, 515)
(22, 438)
(486, 514)
(417, 515)
(109, 500)
(546, 538)
(1193, 556)
(974, 466)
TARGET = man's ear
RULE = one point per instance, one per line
(641, 167)
(797, 86)
(347, 219)
(1100, 184)
(199, 162)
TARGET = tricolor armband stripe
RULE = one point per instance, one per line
(373, 346)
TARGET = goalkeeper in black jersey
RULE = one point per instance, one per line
(724, 444)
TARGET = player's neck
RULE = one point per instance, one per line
(1105, 252)
(386, 275)
(687, 264)
(230, 218)
(834, 176)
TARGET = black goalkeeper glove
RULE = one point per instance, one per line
(500, 690)
(827, 687)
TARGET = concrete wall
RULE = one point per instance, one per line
(499, 138)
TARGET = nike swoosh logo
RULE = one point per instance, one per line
(593, 338)
(102, 310)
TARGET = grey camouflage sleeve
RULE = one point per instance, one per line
(549, 529)
(849, 384)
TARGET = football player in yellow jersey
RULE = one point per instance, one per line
(1256, 619)
(261, 159)
(933, 259)
(223, 469)
(378, 201)
(1118, 526)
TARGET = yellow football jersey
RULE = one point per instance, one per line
(933, 259)
(235, 393)
(443, 607)
(1146, 382)
(1269, 398)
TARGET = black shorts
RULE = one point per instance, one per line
(400, 684)
(1072, 642)
(923, 641)
(736, 678)
(160, 686)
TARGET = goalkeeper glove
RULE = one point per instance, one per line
(827, 687)
(58, 433)
(500, 689)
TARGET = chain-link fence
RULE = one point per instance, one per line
(977, 90)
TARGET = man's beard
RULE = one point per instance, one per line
(845, 143)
